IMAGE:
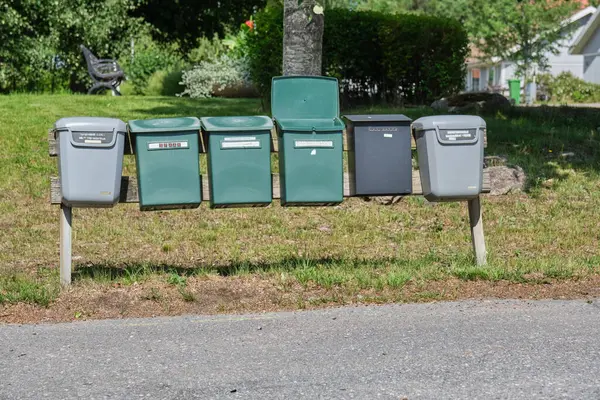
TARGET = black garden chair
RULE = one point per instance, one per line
(106, 74)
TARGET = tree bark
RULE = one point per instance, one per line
(302, 38)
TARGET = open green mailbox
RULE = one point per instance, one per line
(239, 160)
(309, 132)
(168, 162)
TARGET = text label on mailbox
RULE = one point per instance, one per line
(252, 144)
(311, 144)
(182, 144)
(93, 137)
(458, 134)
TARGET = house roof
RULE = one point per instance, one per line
(586, 34)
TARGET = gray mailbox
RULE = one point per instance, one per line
(90, 152)
(379, 155)
(450, 151)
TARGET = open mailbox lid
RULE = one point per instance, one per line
(304, 97)
(183, 124)
(237, 124)
(91, 131)
(452, 129)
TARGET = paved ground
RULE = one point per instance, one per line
(464, 350)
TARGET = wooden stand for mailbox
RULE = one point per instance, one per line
(129, 194)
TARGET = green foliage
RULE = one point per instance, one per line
(210, 76)
(185, 21)
(524, 32)
(207, 50)
(148, 58)
(164, 83)
(40, 40)
(265, 49)
(370, 55)
(566, 88)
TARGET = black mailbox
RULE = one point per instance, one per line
(379, 154)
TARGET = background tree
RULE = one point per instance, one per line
(521, 31)
(303, 24)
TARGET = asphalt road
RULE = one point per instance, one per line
(463, 350)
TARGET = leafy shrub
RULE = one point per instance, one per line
(374, 55)
(208, 76)
(566, 88)
(148, 58)
(264, 47)
(164, 83)
(207, 50)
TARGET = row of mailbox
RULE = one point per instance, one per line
(450, 154)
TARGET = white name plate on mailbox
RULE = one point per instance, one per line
(311, 144)
(253, 144)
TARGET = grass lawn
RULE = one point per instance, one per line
(541, 243)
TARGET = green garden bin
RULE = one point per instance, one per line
(239, 160)
(309, 132)
(514, 90)
(168, 163)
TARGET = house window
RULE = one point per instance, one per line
(475, 75)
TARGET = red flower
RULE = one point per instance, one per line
(249, 24)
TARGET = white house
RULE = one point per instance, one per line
(587, 44)
(493, 75)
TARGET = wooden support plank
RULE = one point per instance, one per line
(130, 149)
(129, 188)
(476, 222)
(66, 218)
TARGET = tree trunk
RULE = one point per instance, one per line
(302, 38)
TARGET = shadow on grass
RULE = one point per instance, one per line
(185, 107)
(120, 271)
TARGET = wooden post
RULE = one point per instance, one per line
(65, 244)
(477, 237)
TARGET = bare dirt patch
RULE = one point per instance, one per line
(251, 294)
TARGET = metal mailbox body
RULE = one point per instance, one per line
(90, 152)
(168, 162)
(380, 155)
(309, 131)
(450, 151)
(239, 160)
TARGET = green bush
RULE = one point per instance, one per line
(264, 47)
(566, 88)
(164, 83)
(376, 56)
(148, 58)
(207, 50)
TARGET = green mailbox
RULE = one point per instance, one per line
(309, 132)
(239, 160)
(168, 163)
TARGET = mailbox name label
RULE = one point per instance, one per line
(93, 137)
(311, 144)
(250, 144)
(458, 134)
(168, 145)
